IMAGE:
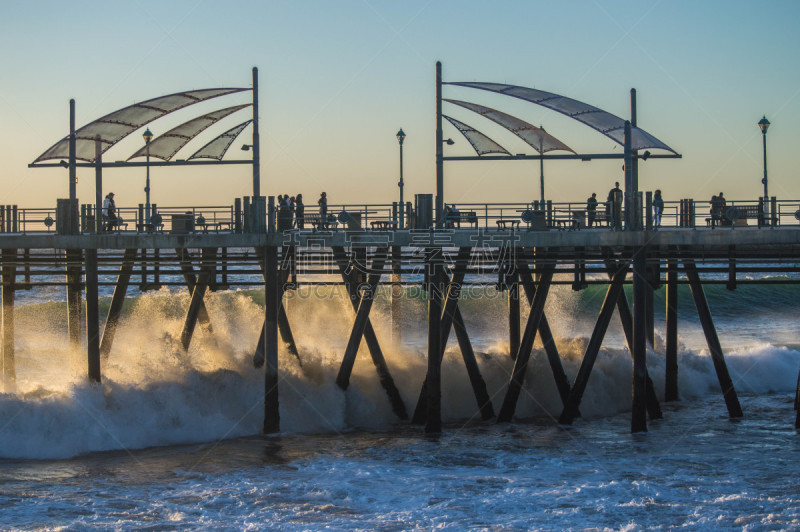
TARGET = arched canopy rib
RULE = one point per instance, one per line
(537, 138)
(609, 125)
(115, 126)
(480, 142)
(216, 148)
(167, 145)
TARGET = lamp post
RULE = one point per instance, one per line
(764, 125)
(401, 136)
(148, 136)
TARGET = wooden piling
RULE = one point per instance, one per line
(9, 276)
(626, 318)
(435, 267)
(639, 347)
(704, 313)
(73, 259)
(397, 295)
(452, 318)
(271, 295)
(671, 355)
(92, 316)
(513, 313)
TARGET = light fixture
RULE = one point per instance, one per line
(449, 142)
(646, 155)
(764, 124)
(64, 164)
(401, 136)
(246, 147)
(148, 136)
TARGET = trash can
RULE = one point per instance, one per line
(182, 223)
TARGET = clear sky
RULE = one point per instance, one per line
(339, 78)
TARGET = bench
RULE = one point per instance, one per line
(383, 224)
(503, 225)
(144, 227)
(315, 220)
(455, 218)
(738, 215)
(227, 224)
(599, 219)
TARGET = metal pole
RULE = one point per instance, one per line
(630, 193)
(73, 175)
(256, 140)
(636, 218)
(541, 171)
(439, 154)
(98, 181)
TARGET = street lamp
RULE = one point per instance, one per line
(400, 138)
(764, 125)
(541, 168)
(148, 136)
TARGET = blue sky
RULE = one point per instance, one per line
(339, 78)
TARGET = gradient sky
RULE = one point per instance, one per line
(339, 78)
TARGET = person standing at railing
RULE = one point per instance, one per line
(658, 209)
(299, 211)
(109, 212)
(591, 209)
(323, 210)
(615, 203)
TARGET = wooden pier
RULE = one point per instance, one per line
(525, 263)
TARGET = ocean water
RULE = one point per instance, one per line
(171, 440)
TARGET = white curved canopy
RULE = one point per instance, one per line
(480, 142)
(117, 125)
(539, 139)
(167, 145)
(609, 125)
(216, 148)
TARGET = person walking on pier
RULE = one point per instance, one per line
(658, 208)
(615, 203)
(109, 212)
(591, 208)
(323, 210)
(299, 211)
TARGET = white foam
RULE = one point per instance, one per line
(153, 394)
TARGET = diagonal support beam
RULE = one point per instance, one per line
(704, 313)
(451, 317)
(371, 339)
(284, 328)
(185, 259)
(526, 344)
(207, 267)
(117, 301)
(570, 411)
(546, 335)
(625, 316)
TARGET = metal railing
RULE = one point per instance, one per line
(685, 213)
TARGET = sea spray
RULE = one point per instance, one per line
(154, 394)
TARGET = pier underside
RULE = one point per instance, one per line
(443, 263)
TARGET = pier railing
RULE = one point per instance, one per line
(683, 213)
